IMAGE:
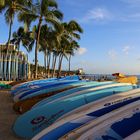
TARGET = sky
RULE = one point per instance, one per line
(111, 39)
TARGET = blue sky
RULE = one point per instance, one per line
(111, 39)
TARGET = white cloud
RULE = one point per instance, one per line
(126, 49)
(98, 14)
(81, 51)
(112, 54)
(103, 15)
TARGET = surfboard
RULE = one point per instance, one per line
(44, 89)
(39, 85)
(135, 136)
(96, 87)
(25, 84)
(67, 125)
(35, 120)
(117, 125)
(25, 105)
(79, 90)
(22, 87)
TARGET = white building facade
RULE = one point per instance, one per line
(13, 64)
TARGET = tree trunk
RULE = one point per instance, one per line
(37, 45)
(69, 64)
(10, 31)
(8, 53)
(55, 58)
(45, 62)
(60, 66)
(48, 67)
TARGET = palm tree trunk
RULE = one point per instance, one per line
(60, 66)
(10, 31)
(55, 58)
(47, 59)
(45, 63)
(69, 64)
(48, 67)
(37, 45)
(8, 55)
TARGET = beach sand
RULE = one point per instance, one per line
(7, 117)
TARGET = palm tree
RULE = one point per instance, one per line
(48, 44)
(43, 44)
(26, 19)
(44, 10)
(23, 37)
(55, 56)
(69, 33)
(27, 41)
(11, 7)
(70, 52)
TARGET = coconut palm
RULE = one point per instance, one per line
(26, 19)
(43, 44)
(55, 56)
(20, 37)
(11, 7)
(48, 43)
(43, 10)
(23, 37)
(70, 52)
(69, 33)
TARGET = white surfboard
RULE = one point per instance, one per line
(77, 113)
(134, 136)
(101, 128)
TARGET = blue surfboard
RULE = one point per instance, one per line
(123, 125)
(77, 123)
(89, 85)
(35, 120)
(39, 85)
(43, 89)
(26, 84)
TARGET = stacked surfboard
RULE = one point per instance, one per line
(70, 108)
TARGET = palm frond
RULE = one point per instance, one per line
(9, 15)
(73, 25)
